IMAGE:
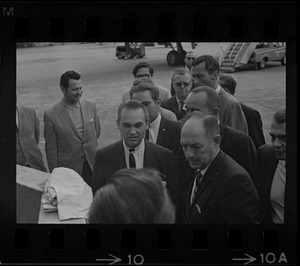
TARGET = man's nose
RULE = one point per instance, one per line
(132, 131)
(188, 152)
(277, 142)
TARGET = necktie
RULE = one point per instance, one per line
(196, 186)
(131, 159)
(147, 134)
(182, 111)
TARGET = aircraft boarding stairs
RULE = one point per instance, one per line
(234, 55)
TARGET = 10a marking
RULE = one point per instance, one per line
(270, 258)
(137, 259)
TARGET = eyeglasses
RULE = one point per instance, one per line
(179, 84)
(190, 58)
(143, 75)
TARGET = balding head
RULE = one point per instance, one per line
(203, 99)
(200, 140)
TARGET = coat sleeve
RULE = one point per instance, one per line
(253, 161)
(239, 201)
(50, 143)
(235, 118)
(36, 128)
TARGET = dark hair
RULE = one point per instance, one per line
(143, 80)
(133, 196)
(142, 65)
(64, 79)
(211, 65)
(280, 116)
(228, 83)
(182, 72)
(189, 52)
(213, 99)
(154, 91)
(210, 124)
(133, 105)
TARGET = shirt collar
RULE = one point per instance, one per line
(137, 149)
(155, 123)
(282, 163)
(77, 105)
(218, 89)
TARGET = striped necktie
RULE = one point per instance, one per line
(197, 182)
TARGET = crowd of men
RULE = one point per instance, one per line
(193, 153)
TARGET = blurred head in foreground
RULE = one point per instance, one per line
(133, 196)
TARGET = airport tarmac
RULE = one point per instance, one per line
(105, 77)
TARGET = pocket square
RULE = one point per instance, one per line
(92, 120)
(198, 208)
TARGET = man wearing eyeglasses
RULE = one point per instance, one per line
(275, 191)
(72, 128)
(182, 82)
(144, 70)
(189, 58)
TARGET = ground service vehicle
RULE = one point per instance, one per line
(130, 51)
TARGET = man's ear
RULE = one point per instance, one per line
(118, 122)
(216, 111)
(62, 88)
(217, 139)
(158, 102)
(215, 75)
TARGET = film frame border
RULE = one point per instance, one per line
(282, 14)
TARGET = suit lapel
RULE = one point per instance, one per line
(176, 106)
(119, 156)
(210, 174)
(148, 154)
(85, 117)
(161, 132)
(64, 113)
(21, 117)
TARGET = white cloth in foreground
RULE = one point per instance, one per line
(67, 193)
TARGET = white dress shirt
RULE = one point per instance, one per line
(154, 128)
(138, 154)
(218, 89)
(277, 193)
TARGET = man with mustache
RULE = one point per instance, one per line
(72, 128)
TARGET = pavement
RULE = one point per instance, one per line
(105, 77)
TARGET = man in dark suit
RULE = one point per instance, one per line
(161, 131)
(133, 151)
(28, 136)
(72, 128)
(182, 82)
(221, 191)
(277, 192)
(254, 122)
(205, 72)
(234, 143)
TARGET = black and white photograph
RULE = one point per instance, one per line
(151, 133)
